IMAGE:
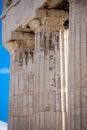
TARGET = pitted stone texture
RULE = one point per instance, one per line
(21, 90)
(20, 45)
(48, 90)
(48, 20)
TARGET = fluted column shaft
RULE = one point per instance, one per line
(77, 74)
(47, 92)
(49, 113)
(21, 87)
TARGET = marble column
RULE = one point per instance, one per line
(22, 83)
(77, 74)
(47, 104)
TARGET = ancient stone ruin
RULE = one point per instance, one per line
(47, 40)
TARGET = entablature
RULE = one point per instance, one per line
(18, 13)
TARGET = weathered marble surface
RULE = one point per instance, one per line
(37, 90)
(77, 68)
(19, 13)
(48, 74)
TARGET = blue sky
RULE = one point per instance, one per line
(4, 77)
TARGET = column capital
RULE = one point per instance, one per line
(20, 46)
(51, 19)
(20, 42)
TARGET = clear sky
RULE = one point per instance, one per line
(4, 77)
